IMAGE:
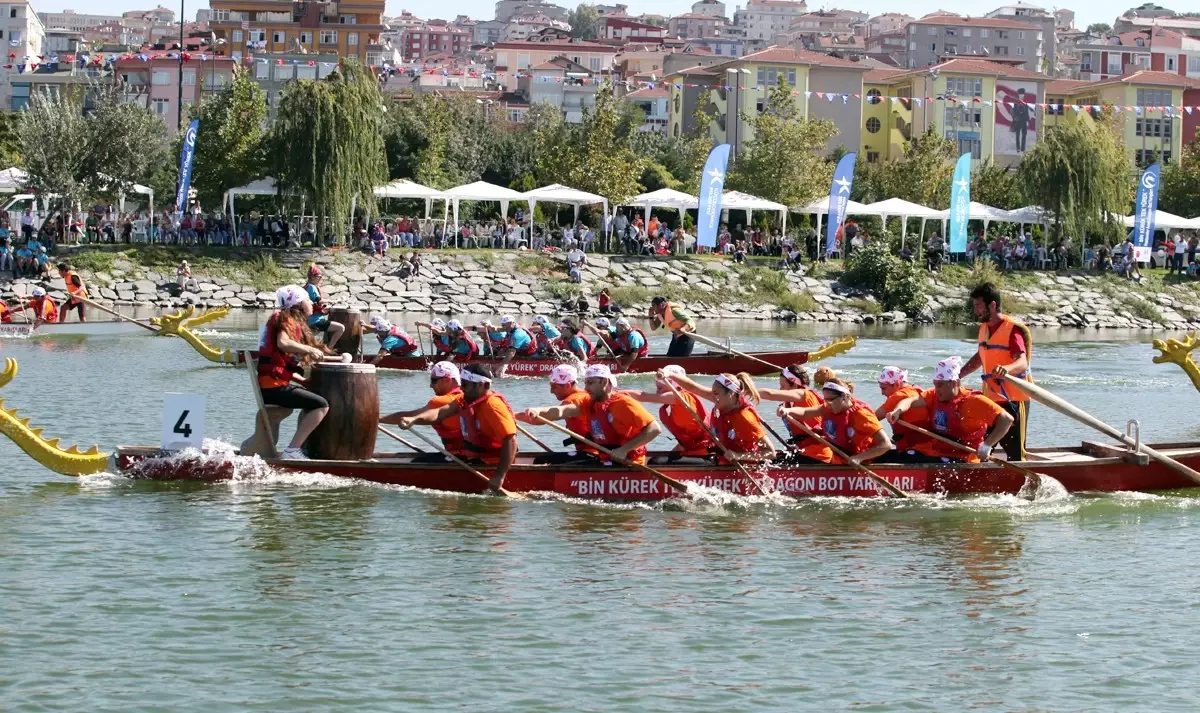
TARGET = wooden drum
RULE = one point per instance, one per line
(351, 341)
(348, 430)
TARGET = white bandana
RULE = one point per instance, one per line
(438, 324)
(600, 371)
(791, 376)
(38, 292)
(602, 323)
(445, 369)
(728, 383)
(835, 387)
(290, 296)
(380, 324)
(542, 320)
(475, 378)
(893, 375)
(948, 369)
(564, 374)
(453, 325)
(506, 319)
(622, 322)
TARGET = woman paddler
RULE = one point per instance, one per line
(893, 384)
(795, 392)
(319, 320)
(959, 414)
(287, 345)
(564, 380)
(695, 441)
(846, 422)
(614, 419)
(446, 382)
(735, 421)
(488, 427)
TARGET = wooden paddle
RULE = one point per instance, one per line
(1034, 478)
(462, 463)
(1058, 404)
(394, 436)
(893, 490)
(665, 479)
(114, 313)
(252, 369)
(724, 451)
(730, 350)
(525, 432)
(600, 336)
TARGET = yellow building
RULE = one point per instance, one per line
(349, 28)
(1151, 130)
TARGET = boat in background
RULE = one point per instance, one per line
(708, 363)
(105, 328)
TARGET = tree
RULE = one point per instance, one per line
(1079, 170)
(125, 142)
(327, 141)
(54, 140)
(595, 158)
(583, 21)
(1181, 182)
(1099, 28)
(784, 162)
(10, 141)
(996, 186)
(230, 141)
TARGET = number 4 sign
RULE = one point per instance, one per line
(183, 421)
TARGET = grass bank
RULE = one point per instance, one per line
(254, 268)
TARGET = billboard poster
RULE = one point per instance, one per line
(1016, 117)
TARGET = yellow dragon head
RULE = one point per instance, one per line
(171, 324)
(44, 450)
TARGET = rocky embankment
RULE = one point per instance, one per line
(508, 282)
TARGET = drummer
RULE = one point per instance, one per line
(488, 426)
(694, 439)
(393, 341)
(319, 321)
(446, 382)
(893, 384)
(735, 422)
(286, 346)
(846, 422)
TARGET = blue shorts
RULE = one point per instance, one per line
(318, 321)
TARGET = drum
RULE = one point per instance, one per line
(351, 341)
(348, 430)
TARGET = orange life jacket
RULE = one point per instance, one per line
(473, 438)
(450, 429)
(839, 432)
(45, 308)
(993, 352)
(602, 430)
(670, 321)
(5, 313)
(734, 440)
(74, 291)
(947, 421)
(694, 439)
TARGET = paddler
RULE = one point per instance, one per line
(666, 314)
(615, 420)
(488, 426)
(439, 337)
(44, 309)
(957, 413)
(735, 421)
(846, 422)
(509, 341)
(606, 335)
(393, 341)
(462, 346)
(564, 380)
(631, 343)
(795, 392)
(75, 291)
(695, 441)
(574, 342)
(6, 313)
(1005, 346)
(545, 336)
(319, 321)
(893, 384)
(288, 344)
(446, 382)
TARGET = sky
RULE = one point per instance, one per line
(1086, 13)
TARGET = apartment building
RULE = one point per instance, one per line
(153, 83)
(654, 101)
(936, 36)
(508, 9)
(1160, 50)
(347, 28)
(435, 37)
(763, 20)
(76, 21)
(524, 26)
(22, 33)
(694, 25)
(623, 28)
(709, 8)
(1048, 23)
(887, 22)
(563, 84)
(515, 58)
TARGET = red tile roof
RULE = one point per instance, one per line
(553, 45)
(983, 66)
(785, 55)
(882, 76)
(1067, 86)
(658, 91)
(975, 22)
(1161, 79)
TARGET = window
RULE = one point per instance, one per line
(966, 32)
(1002, 34)
(933, 47)
(284, 72)
(189, 77)
(161, 106)
(522, 61)
(161, 77)
(951, 32)
(594, 63)
(951, 49)
(1001, 51)
(278, 37)
(1020, 51)
(873, 125)
(12, 12)
(964, 86)
(306, 71)
(872, 157)
(1085, 62)
(873, 95)
(219, 16)
(1156, 128)
(1148, 156)
(933, 32)
(1171, 63)
(305, 38)
(1154, 97)
(236, 36)
(14, 37)
(985, 33)
(20, 95)
(1143, 61)
(262, 70)
(329, 37)
(348, 19)
(1020, 34)
(257, 36)
(1114, 63)
(352, 38)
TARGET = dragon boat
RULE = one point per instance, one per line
(1091, 467)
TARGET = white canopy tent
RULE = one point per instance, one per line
(900, 208)
(1166, 221)
(665, 198)
(12, 180)
(556, 193)
(481, 191)
(736, 200)
(261, 187)
(820, 208)
(404, 188)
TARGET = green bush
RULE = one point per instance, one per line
(898, 285)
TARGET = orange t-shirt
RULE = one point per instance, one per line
(694, 439)
(917, 416)
(628, 418)
(496, 423)
(975, 412)
(810, 446)
(747, 431)
(865, 425)
(450, 429)
(579, 424)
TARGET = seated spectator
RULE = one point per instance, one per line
(576, 258)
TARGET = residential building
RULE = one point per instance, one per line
(452, 76)
(561, 83)
(826, 22)
(514, 58)
(202, 15)
(488, 32)
(1144, 103)
(272, 74)
(75, 21)
(523, 26)
(824, 87)
(508, 9)
(1150, 16)
(710, 8)
(154, 83)
(651, 62)
(161, 15)
(654, 101)
(722, 46)
(626, 29)
(616, 9)
(22, 33)
(988, 109)
(887, 23)
(890, 45)
(434, 37)
(1046, 21)
(1160, 50)
(56, 79)
(347, 28)
(1064, 19)
(935, 36)
(61, 42)
(692, 25)
(763, 20)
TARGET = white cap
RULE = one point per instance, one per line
(380, 324)
(439, 323)
(542, 319)
(948, 369)
(445, 369)
(600, 371)
(564, 374)
(602, 322)
(893, 375)
(673, 370)
(506, 319)
(454, 325)
(38, 292)
(622, 322)
(290, 296)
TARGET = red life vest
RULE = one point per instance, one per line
(601, 427)
(442, 344)
(274, 363)
(499, 345)
(410, 345)
(589, 349)
(692, 440)
(814, 423)
(948, 422)
(473, 438)
(728, 436)
(838, 431)
(623, 343)
(450, 429)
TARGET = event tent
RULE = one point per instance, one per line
(736, 200)
(12, 180)
(1166, 221)
(404, 188)
(261, 187)
(820, 208)
(900, 208)
(556, 193)
(665, 198)
(481, 191)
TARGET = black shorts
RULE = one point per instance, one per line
(293, 397)
(69, 306)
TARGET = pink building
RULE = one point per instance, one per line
(434, 37)
(154, 82)
(619, 27)
(694, 24)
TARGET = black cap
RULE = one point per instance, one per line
(660, 300)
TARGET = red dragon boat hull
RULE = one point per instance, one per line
(1077, 469)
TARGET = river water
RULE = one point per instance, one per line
(307, 593)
